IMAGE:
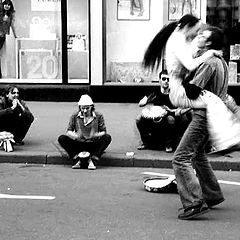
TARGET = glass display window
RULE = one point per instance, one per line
(77, 41)
(226, 15)
(30, 52)
(130, 26)
(32, 48)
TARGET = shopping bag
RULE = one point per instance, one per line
(6, 140)
(223, 124)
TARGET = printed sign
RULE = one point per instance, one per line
(46, 5)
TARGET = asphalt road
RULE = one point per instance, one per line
(109, 203)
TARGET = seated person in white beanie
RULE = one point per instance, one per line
(86, 132)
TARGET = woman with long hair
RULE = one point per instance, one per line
(7, 21)
(175, 40)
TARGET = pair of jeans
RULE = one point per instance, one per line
(95, 147)
(190, 154)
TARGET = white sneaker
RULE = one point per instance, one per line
(77, 165)
(91, 165)
(169, 149)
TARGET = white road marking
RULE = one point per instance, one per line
(11, 196)
(170, 175)
(229, 182)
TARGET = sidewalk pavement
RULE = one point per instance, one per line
(51, 120)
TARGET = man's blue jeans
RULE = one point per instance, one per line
(189, 155)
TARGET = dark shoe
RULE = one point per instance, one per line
(95, 158)
(193, 212)
(142, 147)
(212, 203)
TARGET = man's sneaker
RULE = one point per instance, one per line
(142, 147)
(91, 165)
(193, 212)
(212, 203)
(77, 165)
(169, 149)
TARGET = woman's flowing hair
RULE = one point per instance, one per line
(153, 54)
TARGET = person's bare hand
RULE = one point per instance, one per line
(167, 108)
(19, 104)
(72, 135)
(14, 103)
(213, 52)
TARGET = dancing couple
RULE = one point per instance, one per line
(201, 83)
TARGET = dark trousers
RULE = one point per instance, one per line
(190, 153)
(2, 41)
(162, 134)
(17, 125)
(157, 134)
(95, 147)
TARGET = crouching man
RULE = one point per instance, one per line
(15, 116)
(86, 132)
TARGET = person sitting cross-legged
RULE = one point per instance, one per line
(86, 132)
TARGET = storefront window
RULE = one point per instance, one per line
(129, 30)
(226, 15)
(78, 47)
(34, 55)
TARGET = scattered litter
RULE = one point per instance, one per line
(130, 154)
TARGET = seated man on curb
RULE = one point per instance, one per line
(86, 132)
(15, 117)
(166, 129)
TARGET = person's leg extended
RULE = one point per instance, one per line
(188, 184)
(211, 190)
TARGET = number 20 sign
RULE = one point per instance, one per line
(39, 66)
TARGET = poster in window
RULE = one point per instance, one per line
(133, 10)
(178, 8)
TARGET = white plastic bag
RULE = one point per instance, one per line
(6, 139)
(223, 125)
